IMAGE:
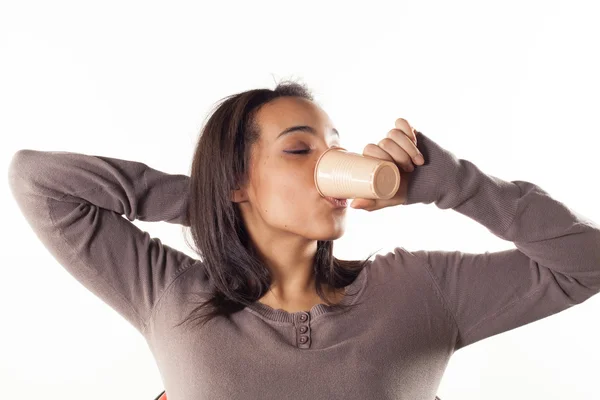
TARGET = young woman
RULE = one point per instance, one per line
(268, 312)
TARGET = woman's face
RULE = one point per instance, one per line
(281, 196)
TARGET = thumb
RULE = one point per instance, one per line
(362, 203)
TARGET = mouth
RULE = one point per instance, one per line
(337, 203)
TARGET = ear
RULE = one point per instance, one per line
(239, 195)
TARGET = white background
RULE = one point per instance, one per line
(511, 86)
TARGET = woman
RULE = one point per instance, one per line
(288, 319)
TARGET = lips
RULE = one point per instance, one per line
(337, 203)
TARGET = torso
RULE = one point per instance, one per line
(301, 305)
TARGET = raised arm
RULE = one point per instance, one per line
(75, 204)
(555, 265)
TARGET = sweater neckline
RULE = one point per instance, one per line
(352, 293)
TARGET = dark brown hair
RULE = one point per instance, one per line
(219, 166)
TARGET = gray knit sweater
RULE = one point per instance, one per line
(416, 307)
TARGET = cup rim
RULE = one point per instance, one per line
(317, 165)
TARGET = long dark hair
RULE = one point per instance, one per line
(237, 277)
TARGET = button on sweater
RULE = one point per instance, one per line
(413, 310)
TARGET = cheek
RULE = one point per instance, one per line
(286, 193)
(289, 178)
(288, 196)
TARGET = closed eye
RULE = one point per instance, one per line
(297, 151)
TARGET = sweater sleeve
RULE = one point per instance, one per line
(75, 204)
(555, 265)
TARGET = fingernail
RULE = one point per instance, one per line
(419, 158)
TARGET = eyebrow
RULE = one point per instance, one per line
(305, 128)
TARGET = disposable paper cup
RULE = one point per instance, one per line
(345, 175)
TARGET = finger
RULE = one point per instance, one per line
(374, 150)
(362, 203)
(378, 151)
(404, 126)
(398, 154)
(404, 141)
(408, 130)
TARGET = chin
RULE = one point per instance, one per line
(331, 235)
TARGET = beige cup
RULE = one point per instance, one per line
(345, 175)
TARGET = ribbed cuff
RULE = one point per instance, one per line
(428, 180)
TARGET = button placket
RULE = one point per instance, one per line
(303, 330)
